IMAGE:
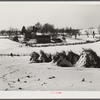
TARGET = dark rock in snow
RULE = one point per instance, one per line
(51, 77)
(18, 80)
(83, 80)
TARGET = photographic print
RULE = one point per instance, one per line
(49, 46)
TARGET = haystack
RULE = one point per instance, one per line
(34, 57)
(45, 57)
(56, 56)
(88, 59)
(72, 57)
(64, 63)
(64, 59)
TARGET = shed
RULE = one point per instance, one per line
(43, 38)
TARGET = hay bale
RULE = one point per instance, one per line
(88, 59)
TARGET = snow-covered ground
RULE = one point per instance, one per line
(8, 46)
(17, 73)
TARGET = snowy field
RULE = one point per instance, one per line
(17, 73)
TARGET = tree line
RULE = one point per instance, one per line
(43, 29)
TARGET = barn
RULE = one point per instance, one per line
(43, 38)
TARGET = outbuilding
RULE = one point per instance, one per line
(43, 38)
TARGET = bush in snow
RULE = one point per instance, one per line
(15, 38)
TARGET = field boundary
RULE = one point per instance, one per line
(59, 44)
(45, 45)
(13, 54)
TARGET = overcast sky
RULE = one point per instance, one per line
(76, 15)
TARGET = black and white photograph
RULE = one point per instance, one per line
(49, 46)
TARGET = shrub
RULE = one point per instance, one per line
(15, 38)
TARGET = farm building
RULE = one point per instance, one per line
(43, 38)
(37, 38)
(89, 30)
